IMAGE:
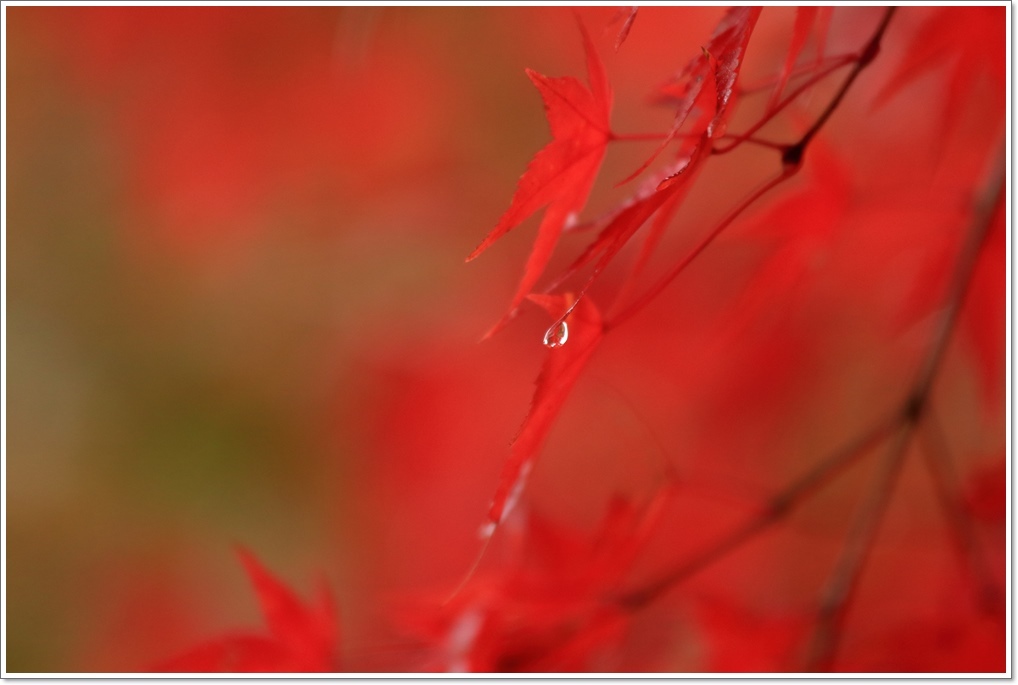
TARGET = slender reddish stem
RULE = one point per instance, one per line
(789, 99)
(839, 60)
(653, 137)
(732, 215)
(792, 156)
(637, 137)
(868, 54)
(859, 62)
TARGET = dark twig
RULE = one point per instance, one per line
(826, 468)
(791, 158)
(845, 577)
(985, 205)
(937, 457)
(840, 589)
(777, 509)
(794, 153)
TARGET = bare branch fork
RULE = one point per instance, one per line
(902, 425)
(781, 505)
(792, 155)
(910, 418)
(913, 411)
(842, 583)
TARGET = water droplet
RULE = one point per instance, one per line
(514, 495)
(557, 335)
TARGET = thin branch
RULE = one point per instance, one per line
(794, 153)
(906, 418)
(937, 457)
(836, 61)
(840, 589)
(789, 99)
(844, 579)
(985, 205)
(657, 137)
(643, 137)
(791, 158)
(777, 509)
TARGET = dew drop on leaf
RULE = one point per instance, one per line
(557, 335)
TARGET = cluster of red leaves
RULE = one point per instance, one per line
(552, 606)
(701, 95)
(541, 611)
(562, 174)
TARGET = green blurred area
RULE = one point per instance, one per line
(174, 389)
(122, 419)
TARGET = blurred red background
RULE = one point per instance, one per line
(238, 314)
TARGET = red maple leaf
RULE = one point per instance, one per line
(301, 637)
(546, 610)
(562, 173)
(706, 87)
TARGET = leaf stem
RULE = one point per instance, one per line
(835, 61)
(789, 99)
(645, 137)
(868, 54)
(793, 153)
(985, 206)
(639, 137)
(732, 215)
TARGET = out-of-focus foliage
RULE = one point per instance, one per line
(238, 312)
